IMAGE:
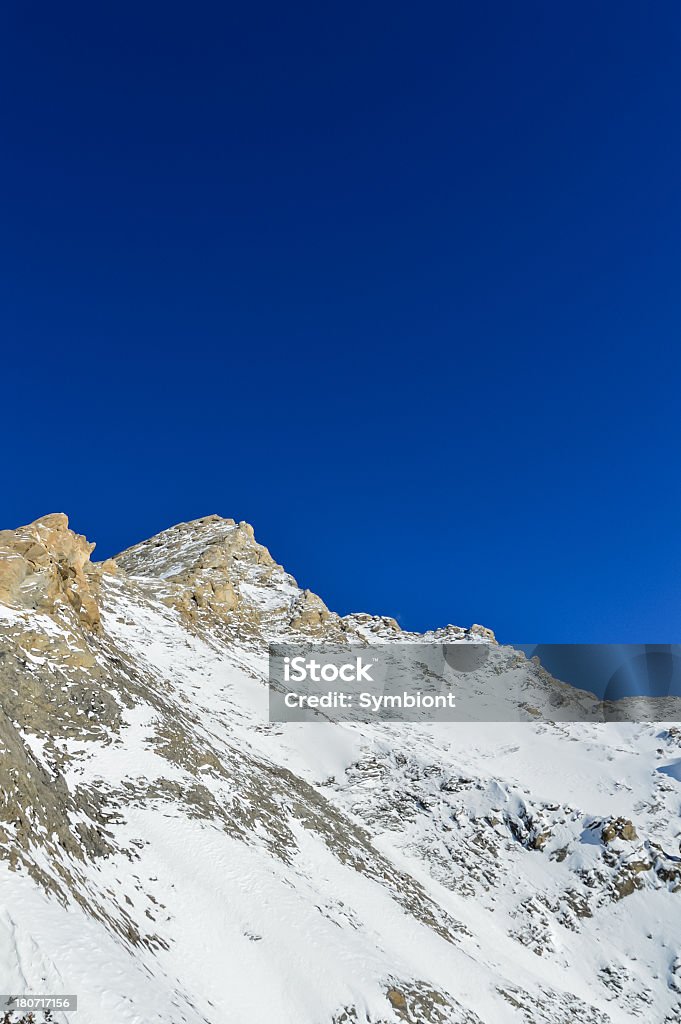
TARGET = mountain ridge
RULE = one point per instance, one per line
(367, 873)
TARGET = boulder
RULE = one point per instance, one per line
(619, 828)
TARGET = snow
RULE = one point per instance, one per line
(294, 870)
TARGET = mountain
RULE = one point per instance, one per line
(168, 855)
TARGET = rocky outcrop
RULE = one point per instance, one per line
(202, 563)
(46, 566)
(481, 631)
(619, 828)
(201, 545)
(203, 592)
(310, 612)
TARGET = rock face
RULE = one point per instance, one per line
(215, 568)
(44, 565)
(619, 828)
(174, 858)
(310, 612)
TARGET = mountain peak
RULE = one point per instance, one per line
(147, 801)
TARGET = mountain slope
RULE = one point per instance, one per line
(170, 856)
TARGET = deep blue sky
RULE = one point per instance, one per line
(397, 283)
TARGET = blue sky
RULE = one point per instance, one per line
(398, 285)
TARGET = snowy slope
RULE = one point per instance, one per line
(170, 856)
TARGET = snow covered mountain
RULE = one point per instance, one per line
(170, 856)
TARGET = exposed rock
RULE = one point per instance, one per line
(43, 566)
(481, 631)
(310, 612)
(619, 828)
(378, 624)
(13, 572)
(216, 595)
(397, 999)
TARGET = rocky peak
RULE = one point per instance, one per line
(214, 569)
(208, 566)
(207, 543)
(46, 566)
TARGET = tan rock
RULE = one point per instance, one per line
(481, 631)
(225, 595)
(42, 566)
(310, 612)
(13, 570)
(215, 557)
(241, 542)
(619, 828)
